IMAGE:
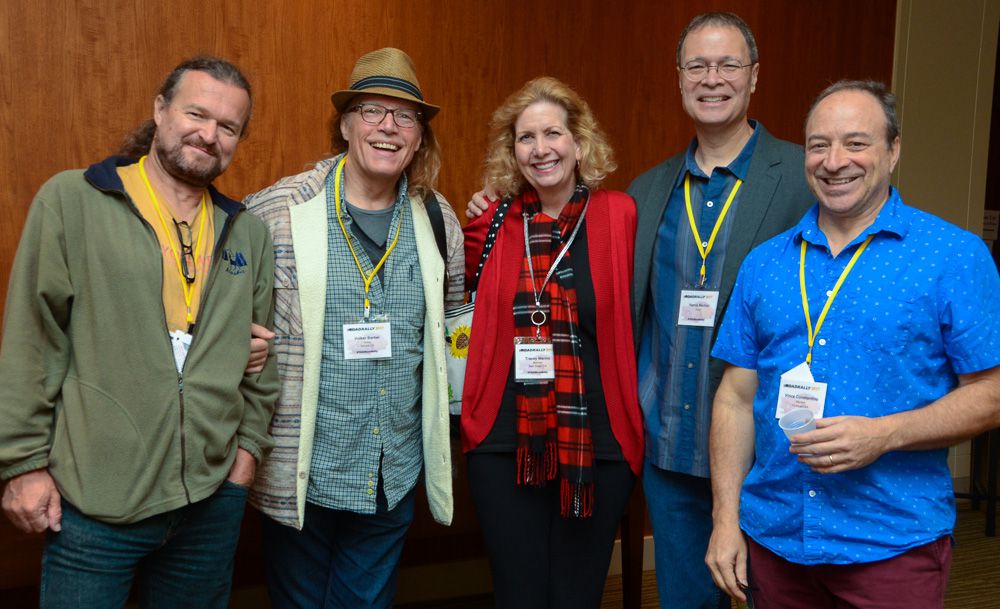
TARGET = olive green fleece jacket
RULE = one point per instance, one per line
(88, 384)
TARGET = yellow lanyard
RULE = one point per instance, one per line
(703, 250)
(188, 287)
(829, 299)
(365, 277)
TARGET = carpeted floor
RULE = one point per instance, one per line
(975, 569)
(974, 584)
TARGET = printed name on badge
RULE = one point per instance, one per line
(798, 389)
(533, 360)
(697, 308)
(367, 340)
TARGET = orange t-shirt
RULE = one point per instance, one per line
(174, 304)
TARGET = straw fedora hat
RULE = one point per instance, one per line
(388, 72)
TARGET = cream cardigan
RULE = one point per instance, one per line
(295, 211)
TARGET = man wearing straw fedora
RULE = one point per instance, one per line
(359, 313)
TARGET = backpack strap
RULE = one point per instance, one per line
(434, 214)
(433, 207)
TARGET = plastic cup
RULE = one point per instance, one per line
(796, 421)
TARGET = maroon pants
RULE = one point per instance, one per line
(916, 578)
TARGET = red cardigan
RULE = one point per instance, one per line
(610, 244)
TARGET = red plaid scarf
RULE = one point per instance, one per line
(553, 430)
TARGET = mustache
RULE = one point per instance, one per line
(196, 140)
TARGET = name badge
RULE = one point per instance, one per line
(698, 308)
(533, 360)
(799, 390)
(181, 342)
(367, 340)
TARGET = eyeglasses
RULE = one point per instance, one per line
(730, 70)
(187, 250)
(374, 114)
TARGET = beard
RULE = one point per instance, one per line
(183, 169)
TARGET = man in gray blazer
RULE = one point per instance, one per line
(700, 213)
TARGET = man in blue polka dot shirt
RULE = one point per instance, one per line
(885, 322)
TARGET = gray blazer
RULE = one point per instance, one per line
(773, 199)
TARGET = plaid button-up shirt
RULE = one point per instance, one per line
(369, 410)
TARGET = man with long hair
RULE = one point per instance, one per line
(130, 433)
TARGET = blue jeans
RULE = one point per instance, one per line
(339, 560)
(180, 559)
(680, 509)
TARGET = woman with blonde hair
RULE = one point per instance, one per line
(551, 422)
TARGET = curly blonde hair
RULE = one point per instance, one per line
(596, 156)
(421, 174)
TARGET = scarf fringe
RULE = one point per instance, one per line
(576, 499)
(535, 469)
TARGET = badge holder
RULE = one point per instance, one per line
(370, 338)
(799, 390)
(180, 341)
(534, 359)
(698, 306)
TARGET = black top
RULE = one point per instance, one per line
(503, 437)
(372, 231)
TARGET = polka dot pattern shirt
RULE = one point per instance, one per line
(921, 305)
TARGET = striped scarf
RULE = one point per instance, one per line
(553, 430)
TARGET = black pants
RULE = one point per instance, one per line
(539, 559)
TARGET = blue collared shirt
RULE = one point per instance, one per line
(673, 360)
(919, 307)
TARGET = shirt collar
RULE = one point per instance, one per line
(893, 218)
(738, 167)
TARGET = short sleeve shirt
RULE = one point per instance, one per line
(919, 308)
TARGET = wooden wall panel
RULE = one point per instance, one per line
(76, 75)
